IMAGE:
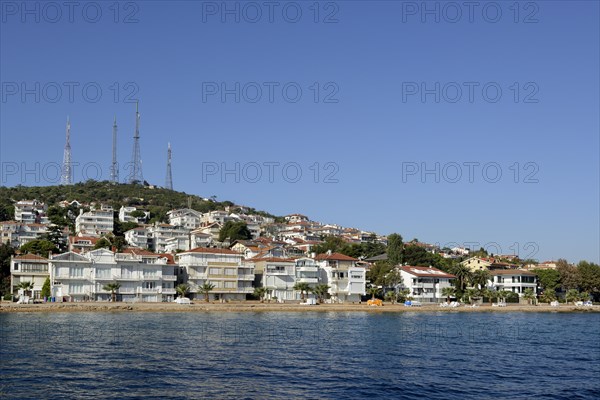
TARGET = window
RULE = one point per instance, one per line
(229, 285)
(214, 271)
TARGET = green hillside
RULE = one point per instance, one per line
(156, 200)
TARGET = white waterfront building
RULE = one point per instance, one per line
(345, 278)
(95, 223)
(426, 283)
(231, 276)
(143, 276)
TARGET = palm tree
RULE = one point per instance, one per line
(321, 291)
(182, 289)
(479, 279)
(548, 296)
(463, 276)
(403, 295)
(112, 288)
(391, 296)
(26, 286)
(490, 294)
(260, 292)
(471, 294)
(448, 292)
(205, 289)
(302, 288)
(373, 291)
(529, 295)
(572, 295)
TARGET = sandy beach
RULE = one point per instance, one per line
(250, 306)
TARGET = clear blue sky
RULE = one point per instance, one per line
(372, 61)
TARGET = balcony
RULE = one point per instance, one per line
(169, 277)
(198, 276)
(168, 291)
(126, 290)
(130, 278)
(247, 277)
(127, 257)
(103, 278)
(151, 277)
(147, 290)
(308, 269)
(308, 280)
(62, 277)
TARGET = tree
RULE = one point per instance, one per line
(471, 295)
(569, 275)
(46, 289)
(302, 287)
(479, 278)
(395, 248)
(463, 276)
(529, 295)
(491, 295)
(448, 292)
(572, 295)
(119, 228)
(40, 247)
(335, 244)
(549, 279)
(589, 274)
(27, 286)
(392, 279)
(234, 231)
(403, 295)
(377, 273)
(321, 291)
(182, 289)
(391, 296)
(260, 292)
(56, 235)
(205, 289)
(417, 255)
(102, 243)
(6, 252)
(548, 296)
(373, 291)
(112, 288)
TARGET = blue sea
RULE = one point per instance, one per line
(300, 355)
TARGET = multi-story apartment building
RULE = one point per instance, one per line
(185, 217)
(223, 268)
(28, 268)
(95, 222)
(17, 234)
(30, 212)
(82, 277)
(425, 283)
(159, 237)
(307, 271)
(346, 279)
(125, 215)
(516, 281)
(277, 275)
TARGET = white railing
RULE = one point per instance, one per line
(169, 277)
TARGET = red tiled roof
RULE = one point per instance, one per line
(169, 257)
(426, 272)
(139, 252)
(212, 250)
(334, 256)
(30, 257)
(272, 259)
(512, 272)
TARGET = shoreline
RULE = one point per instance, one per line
(274, 307)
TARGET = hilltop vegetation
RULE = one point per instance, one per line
(156, 200)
